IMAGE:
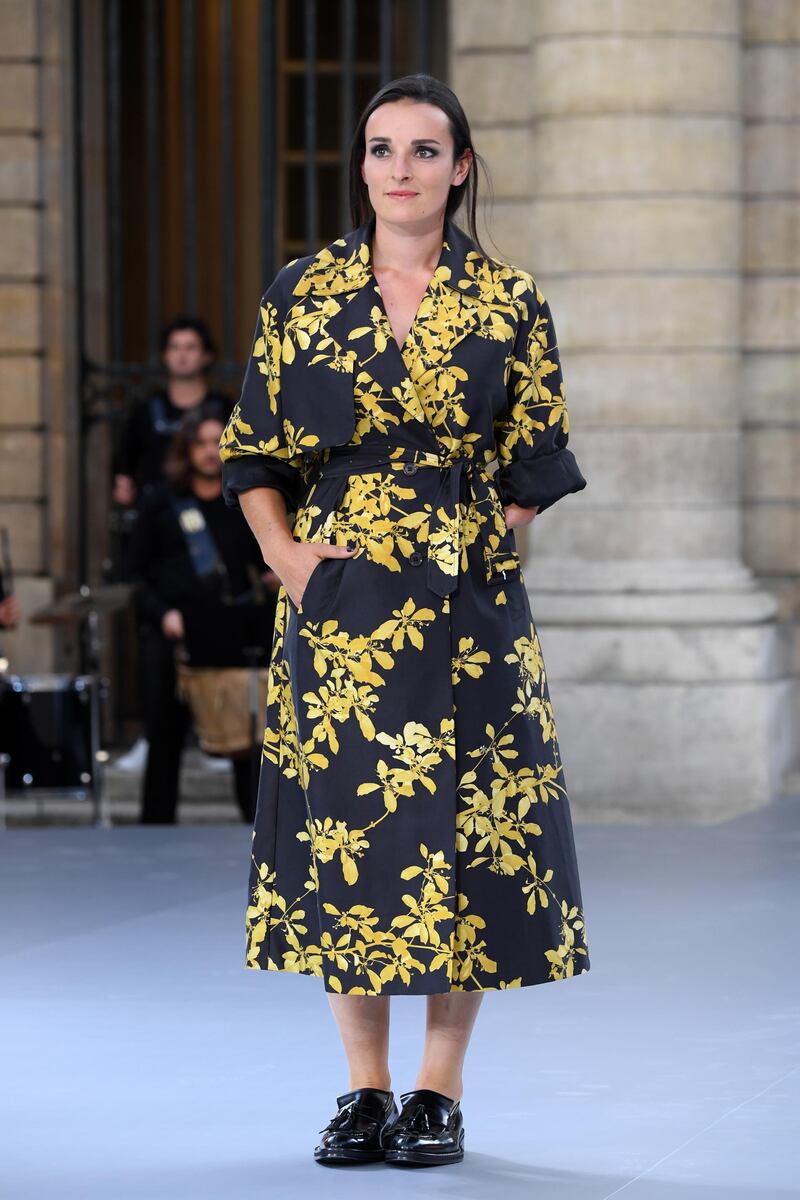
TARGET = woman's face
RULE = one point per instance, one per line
(408, 165)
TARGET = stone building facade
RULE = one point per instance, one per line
(646, 168)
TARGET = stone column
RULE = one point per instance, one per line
(771, 377)
(667, 668)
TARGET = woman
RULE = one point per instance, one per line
(413, 832)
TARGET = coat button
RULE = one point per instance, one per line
(410, 468)
(416, 559)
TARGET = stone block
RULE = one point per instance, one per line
(770, 386)
(19, 108)
(771, 158)
(20, 320)
(18, 29)
(771, 313)
(473, 26)
(25, 524)
(646, 233)
(669, 752)
(652, 466)
(21, 458)
(621, 153)
(588, 75)
(771, 463)
(495, 89)
(507, 152)
(771, 77)
(611, 387)
(508, 234)
(19, 244)
(772, 235)
(19, 166)
(679, 654)
(613, 17)
(20, 391)
(771, 536)
(644, 312)
(579, 527)
(771, 21)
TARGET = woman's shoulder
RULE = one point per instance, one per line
(286, 280)
(516, 281)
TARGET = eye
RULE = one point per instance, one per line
(376, 149)
(428, 151)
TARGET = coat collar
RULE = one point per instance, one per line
(346, 266)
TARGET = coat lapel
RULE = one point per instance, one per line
(337, 328)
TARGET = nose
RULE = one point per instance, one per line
(401, 171)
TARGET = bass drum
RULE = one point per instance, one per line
(45, 728)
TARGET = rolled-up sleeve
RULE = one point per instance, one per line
(535, 466)
(258, 447)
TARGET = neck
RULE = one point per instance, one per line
(186, 393)
(206, 489)
(407, 250)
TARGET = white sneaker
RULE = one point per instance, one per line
(210, 762)
(135, 759)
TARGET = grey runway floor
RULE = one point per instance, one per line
(141, 1061)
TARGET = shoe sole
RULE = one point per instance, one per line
(418, 1158)
(332, 1158)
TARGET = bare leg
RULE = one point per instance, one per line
(451, 1016)
(364, 1029)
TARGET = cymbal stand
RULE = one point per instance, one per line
(97, 691)
(5, 759)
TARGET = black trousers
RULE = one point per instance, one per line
(167, 722)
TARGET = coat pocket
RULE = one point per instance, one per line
(321, 588)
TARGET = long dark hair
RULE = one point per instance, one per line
(424, 89)
(177, 464)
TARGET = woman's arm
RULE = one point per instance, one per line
(536, 468)
(265, 512)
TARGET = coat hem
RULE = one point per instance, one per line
(390, 990)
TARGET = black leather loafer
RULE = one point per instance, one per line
(356, 1133)
(429, 1131)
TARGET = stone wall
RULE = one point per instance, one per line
(38, 400)
(670, 668)
(771, 308)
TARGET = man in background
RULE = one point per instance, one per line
(187, 354)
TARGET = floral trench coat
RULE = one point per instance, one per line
(413, 832)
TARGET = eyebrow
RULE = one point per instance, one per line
(415, 141)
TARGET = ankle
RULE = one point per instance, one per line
(445, 1085)
(381, 1082)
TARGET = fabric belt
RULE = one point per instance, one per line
(446, 528)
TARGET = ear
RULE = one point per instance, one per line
(463, 168)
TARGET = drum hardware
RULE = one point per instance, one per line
(49, 734)
(56, 743)
(85, 603)
(5, 759)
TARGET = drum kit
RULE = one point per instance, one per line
(50, 725)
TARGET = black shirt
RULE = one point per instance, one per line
(147, 434)
(218, 620)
